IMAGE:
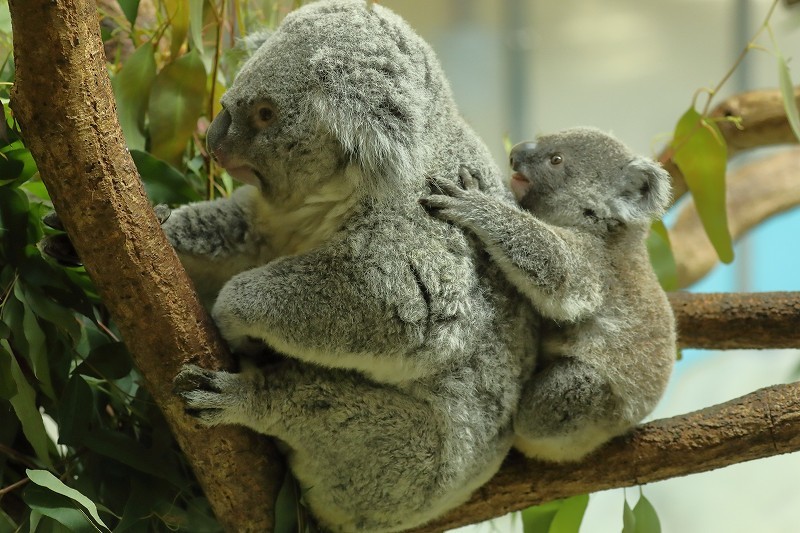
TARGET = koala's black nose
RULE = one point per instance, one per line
(520, 152)
(217, 131)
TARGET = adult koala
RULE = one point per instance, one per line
(406, 347)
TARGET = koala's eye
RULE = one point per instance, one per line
(556, 159)
(264, 115)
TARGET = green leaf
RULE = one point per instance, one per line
(646, 516)
(47, 309)
(107, 361)
(75, 411)
(176, 102)
(7, 525)
(130, 8)
(178, 16)
(24, 403)
(127, 451)
(37, 347)
(570, 515)
(132, 86)
(701, 154)
(537, 519)
(660, 250)
(787, 91)
(45, 479)
(8, 387)
(164, 184)
(14, 207)
(628, 519)
(10, 170)
(196, 24)
(59, 508)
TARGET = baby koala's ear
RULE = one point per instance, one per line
(646, 191)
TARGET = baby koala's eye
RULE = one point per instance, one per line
(556, 159)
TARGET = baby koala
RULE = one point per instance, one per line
(577, 250)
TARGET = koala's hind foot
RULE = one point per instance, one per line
(567, 411)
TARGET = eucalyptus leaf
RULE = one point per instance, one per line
(130, 452)
(646, 517)
(569, 516)
(131, 90)
(57, 315)
(37, 347)
(24, 403)
(196, 24)
(176, 102)
(75, 411)
(661, 257)
(701, 154)
(107, 361)
(178, 15)
(45, 479)
(628, 519)
(7, 525)
(14, 207)
(164, 184)
(59, 508)
(130, 8)
(787, 92)
(538, 518)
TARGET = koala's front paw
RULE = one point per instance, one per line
(210, 396)
(452, 202)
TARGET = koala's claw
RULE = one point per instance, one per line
(162, 212)
(52, 220)
(208, 395)
(60, 248)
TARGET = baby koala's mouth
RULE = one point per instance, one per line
(520, 185)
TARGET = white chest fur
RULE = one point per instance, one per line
(302, 225)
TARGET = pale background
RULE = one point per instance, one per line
(523, 67)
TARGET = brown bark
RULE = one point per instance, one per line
(761, 424)
(63, 101)
(727, 321)
(763, 123)
(755, 192)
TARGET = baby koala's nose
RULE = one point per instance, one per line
(519, 153)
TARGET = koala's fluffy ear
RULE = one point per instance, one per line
(646, 191)
(373, 94)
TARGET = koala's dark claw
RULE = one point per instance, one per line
(162, 212)
(192, 378)
(60, 248)
(52, 220)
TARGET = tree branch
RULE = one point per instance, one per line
(727, 321)
(763, 123)
(761, 424)
(63, 101)
(756, 192)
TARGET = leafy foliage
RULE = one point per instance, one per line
(82, 445)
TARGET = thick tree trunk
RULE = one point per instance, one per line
(63, 101)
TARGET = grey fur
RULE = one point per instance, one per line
(406, 346)
(578, 252)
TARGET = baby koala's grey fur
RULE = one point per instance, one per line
(406, 346)
(578, 252)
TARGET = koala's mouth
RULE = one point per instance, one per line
(245, 174)
(520, 185)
